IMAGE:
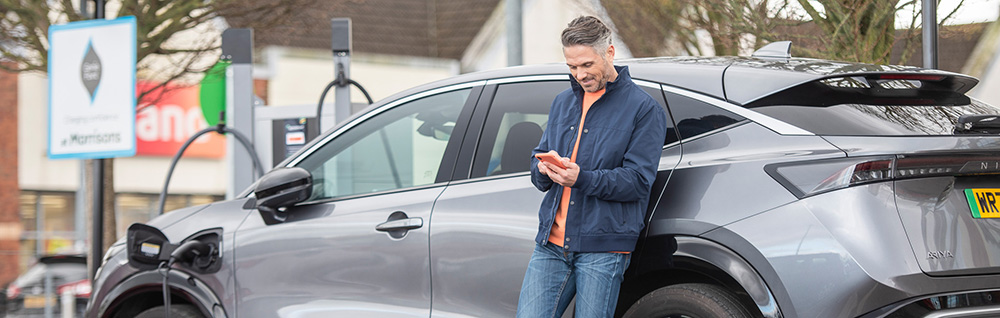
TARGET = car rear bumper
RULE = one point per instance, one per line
(982, 303)
(846, 254)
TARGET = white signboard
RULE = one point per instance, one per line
(92, 89)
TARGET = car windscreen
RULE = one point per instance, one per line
(877, 120)
(61, 273)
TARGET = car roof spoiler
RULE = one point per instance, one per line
(900, 88)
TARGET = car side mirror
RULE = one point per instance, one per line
(147, 247)
(281, 188)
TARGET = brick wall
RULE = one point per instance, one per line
(955, 44)
(10, 224)
(260, 89)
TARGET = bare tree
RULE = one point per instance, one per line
(666, 27)
(849, 30)
(648, 26)
(857, 30)
(164, 54)
(732, 22)
(24, 27)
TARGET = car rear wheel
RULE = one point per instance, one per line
(688, 301)
(176, 311)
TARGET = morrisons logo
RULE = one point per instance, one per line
(92, 139)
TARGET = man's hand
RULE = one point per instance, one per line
(564, 177)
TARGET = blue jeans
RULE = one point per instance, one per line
(554, 276)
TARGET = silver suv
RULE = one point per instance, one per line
(786, 188)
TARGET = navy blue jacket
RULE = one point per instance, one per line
(618, 155)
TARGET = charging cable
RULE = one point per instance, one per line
(221, 129)
(187, 252)
(340, 81)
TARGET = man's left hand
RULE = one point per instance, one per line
(564, 177)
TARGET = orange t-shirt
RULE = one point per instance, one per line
(558, 232)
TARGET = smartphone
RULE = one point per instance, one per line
(551, 159)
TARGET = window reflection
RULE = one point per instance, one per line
(877, 120)
(399, 148)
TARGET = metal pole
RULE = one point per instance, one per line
(48, 291)
(342, 94)
(97, 217)
(67, 304)
(341, 44)
(930, 34)
(98, 9)
(80, 213)
(39, 225)
(97, 237)
(514, 33)
(237, 46)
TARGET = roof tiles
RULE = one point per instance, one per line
(429, 28)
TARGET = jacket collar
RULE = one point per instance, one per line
(623, 79)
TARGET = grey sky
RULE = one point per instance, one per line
(972, 11)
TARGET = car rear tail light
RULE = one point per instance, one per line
(904, 101)
(13, 291)
(805, 179)
(953, 165)
(913, 77)
(815, 177)
(80, 288)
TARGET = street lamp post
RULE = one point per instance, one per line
(97, 213)
(930, 34)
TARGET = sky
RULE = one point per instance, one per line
(972, 11)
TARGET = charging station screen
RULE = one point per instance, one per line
(290, 135)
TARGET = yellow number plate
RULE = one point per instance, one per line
(34, 302)
(984, 203)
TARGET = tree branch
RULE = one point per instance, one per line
(952, 13)
(70, 12)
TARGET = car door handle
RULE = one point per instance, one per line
(400, 225)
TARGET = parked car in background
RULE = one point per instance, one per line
(28, 295)
(787, 187)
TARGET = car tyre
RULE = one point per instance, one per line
(176, 311)
(688, 300)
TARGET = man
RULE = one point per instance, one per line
(610, 134)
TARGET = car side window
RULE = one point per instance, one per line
(514, 125)
(398, 148)
(695, 117)
(657, 95)
(517, 117)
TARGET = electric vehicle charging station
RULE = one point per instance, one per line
(279, 131)
(275, 132)
(237, 47)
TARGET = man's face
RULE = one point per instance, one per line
(590, 69)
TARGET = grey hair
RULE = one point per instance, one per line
(588, 31)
